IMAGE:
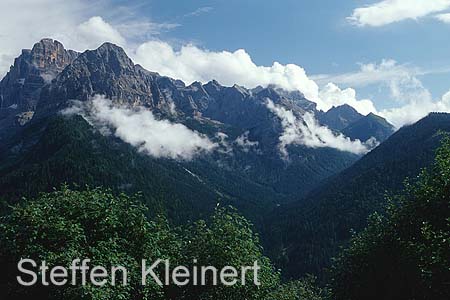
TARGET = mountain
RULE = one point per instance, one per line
(346, 120)
(369, 126)
(304, 235)
(339, 117)
(108, 71)
(305, 204)
(20, 88)
(251, 174)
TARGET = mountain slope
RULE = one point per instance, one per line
(305, 235)
(211, 109)
(70, 150)
(369, 126)
(339, 117)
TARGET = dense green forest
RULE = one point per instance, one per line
(113, 230)
(69, 150)
(404, 254)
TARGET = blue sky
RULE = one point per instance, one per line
(313, 34)
(393, 54)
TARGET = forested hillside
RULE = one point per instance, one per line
(304, 236)
(403, 254)
(69, 150)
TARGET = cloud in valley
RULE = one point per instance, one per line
(310, 133)
(140, 128)
(245, 143)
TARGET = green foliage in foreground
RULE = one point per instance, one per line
(405, 254)
(113, 230)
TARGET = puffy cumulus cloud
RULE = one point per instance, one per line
(95, 31)
(310, 133)
(22, 23)
(191, 63)
(331, 95)
(415, 110)
(391, 11)
(140, 128)
(412, 101)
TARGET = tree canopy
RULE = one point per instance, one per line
(113, 230)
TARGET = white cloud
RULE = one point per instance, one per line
(416, 109)
(443, 18)
(140, 128)
(95, 31)
(191, 64)
(412, 101)
(310, 133)
(199, 11)
(77, 24)
(332, 95)
(391, 11)
(143, 29)
(22, 23)
(245, 143)
(385, 71)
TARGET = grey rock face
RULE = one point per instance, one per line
(20, 89)
(108, 71)
(369, 126)
(340, 117)
(31, 71)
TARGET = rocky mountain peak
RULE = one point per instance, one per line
(369, 126)
(106, 71)
(49, 53)
(20, 89)
(339, 117)
(213, 87)
(34, 68)
(111, 57)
